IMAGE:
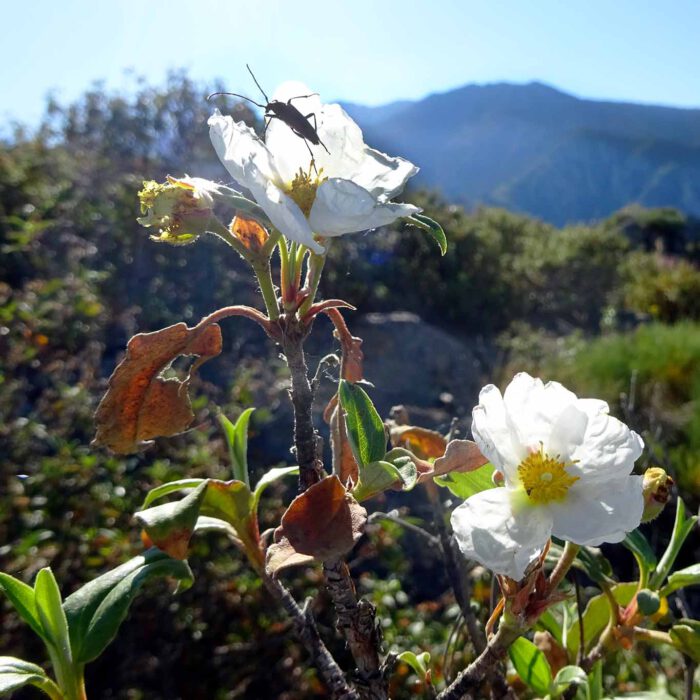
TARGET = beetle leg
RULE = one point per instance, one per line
(300, 97)
(311, 153)
(312, 114)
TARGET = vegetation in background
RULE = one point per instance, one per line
(78, 276)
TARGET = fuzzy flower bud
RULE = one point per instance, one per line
(656, 488)
(180, 210)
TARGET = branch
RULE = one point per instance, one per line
(306, 440)
(305, 628)
(457, 578)
(357, 621)
(481, 667)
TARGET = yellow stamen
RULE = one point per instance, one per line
(303, 188)
(545, 478)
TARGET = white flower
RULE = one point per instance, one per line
(345, 190)
(567, 471)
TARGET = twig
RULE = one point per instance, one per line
(689, 673)
(356, 619)
(457, 578)
(306, 440)
(305, 628)
(483, 665)
(579, 613)
(330, 360)
(393, 516)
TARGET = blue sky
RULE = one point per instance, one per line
(367, 51)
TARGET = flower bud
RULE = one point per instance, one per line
(179, 209)
(656, 488)
(648, 602)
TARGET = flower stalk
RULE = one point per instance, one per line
(563, 565)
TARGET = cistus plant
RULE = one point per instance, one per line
(548, 478)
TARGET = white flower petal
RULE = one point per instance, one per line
(237, 146)
(382, 175)
(494, 435)
(347, 157)
(591, 518)
(533, 408)
(342, 207)
(507, 542)
(609, 448)
(285, 214)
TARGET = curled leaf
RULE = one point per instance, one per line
(422, 442)
(324, 522)
(140, 404)
(170, 526)
(250, 233)
(344, 463)
(462, 456)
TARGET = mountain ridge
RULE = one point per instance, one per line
(539, 150)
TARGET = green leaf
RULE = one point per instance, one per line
(690, 576)
(22, 598)
(365, 427)
(268, 478)
(237, 440)
(686, 638)
(658, 694)
(566, 676)
(96, 610)
(419, 663)
(379, 476)
(531, 665)
(681, 529)
(595, 681)
(643, 553)
(170, 526)
(432, 227)
(15, 673)
(170, 487)
(49, 606)
(464, 485)
(596, 616)
(549, 623)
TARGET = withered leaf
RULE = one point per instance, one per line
(324, 522)
(249, 232)
(281, 555)
(460, 456)
(422, 442)
(344, 464)
(140, 404)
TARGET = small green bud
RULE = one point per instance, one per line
(656, 488)
(648, 602)
(180, 210)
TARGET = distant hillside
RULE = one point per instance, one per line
(535, 149)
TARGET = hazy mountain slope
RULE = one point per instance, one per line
(535, 149)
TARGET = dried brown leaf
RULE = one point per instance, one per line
(460, 456)
(281, 555)
(324, 522)
(140, 404)
(422, 442)
(250, 233)
(344, 464)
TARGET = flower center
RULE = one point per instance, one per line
(545, 478)
(303, 188)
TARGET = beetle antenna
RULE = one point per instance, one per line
(235, 94)
(257, 83)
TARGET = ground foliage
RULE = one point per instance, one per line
(78, 277)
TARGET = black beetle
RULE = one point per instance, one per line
(287, 113)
